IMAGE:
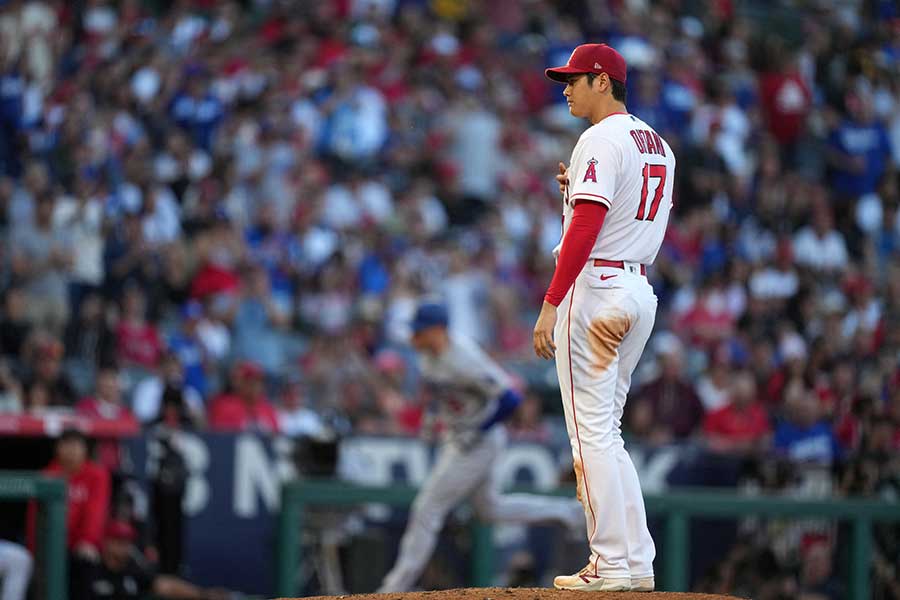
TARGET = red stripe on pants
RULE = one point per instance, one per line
(587, 489)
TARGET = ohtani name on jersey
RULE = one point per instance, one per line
(648, 142)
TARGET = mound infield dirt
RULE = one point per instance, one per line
(524, 594)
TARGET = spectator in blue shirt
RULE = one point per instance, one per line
(189, 349)
(803, 436)
(198, 111)
(859, 150)
(12, 91)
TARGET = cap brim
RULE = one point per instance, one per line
(561, 74)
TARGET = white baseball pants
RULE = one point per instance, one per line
(15, 571)
(458, 475)
(602, 327)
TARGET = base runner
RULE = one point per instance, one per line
(473, 396)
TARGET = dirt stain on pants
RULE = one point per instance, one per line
(605, 335)
(579, 481)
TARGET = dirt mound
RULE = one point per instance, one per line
(525, 594)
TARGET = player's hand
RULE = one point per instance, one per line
(87, 551)
(543, 332)
(563, 178)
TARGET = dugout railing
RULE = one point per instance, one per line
(50, 495)
(676, 509)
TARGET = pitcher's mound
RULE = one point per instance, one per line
(526, 594)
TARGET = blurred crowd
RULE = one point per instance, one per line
(222, 214)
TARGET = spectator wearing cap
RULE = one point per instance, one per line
(817, 580)
(741, 427)
(219, 251)
(865, 309)
(89, 339)
(259, 322)
(803, 436)
(708, 319)
(42, 260)
(196, 109)
(776, 283)
(819, 246)
(138, 343)
(81, 214)
(295, 417)
(189, 347)
(14, 325)
(127, 257)
(245, 408)
(673, 406)
(792, 354)
(147, 400)
(120, 575)
(786, 98)
(160, 218)
(106, 405)
(858, 149)
(267, 243)
(87, 507)
(712, 386)
(527, 424)
(402, 415)
(46, 371)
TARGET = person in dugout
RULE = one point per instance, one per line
(87, 508)
(122, 574)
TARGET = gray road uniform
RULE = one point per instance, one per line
(467, 385)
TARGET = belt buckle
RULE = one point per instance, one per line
(632, 268)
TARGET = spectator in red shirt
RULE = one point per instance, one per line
(106, 405)
(86, 510)
(786, 101)
(137, 340)
(246, 408)
(741, 426)
(669, 400)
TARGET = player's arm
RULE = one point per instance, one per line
(504, 406)
(587, 220)
(592, 180)
(488, 381)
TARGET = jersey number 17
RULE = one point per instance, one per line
(657, 172)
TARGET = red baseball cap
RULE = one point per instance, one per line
(591, 58)
(248, 369)
(120, 530)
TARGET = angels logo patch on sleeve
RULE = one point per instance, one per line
(591, 173)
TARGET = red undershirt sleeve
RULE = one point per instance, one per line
(587, 219)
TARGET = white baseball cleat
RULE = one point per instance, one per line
(585, 581)
(643, 584)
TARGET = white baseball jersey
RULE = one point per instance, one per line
(603, 325)
(624, 164)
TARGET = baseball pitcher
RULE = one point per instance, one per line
(474, 397)
(599, 309)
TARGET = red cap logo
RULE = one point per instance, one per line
(591, 58)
